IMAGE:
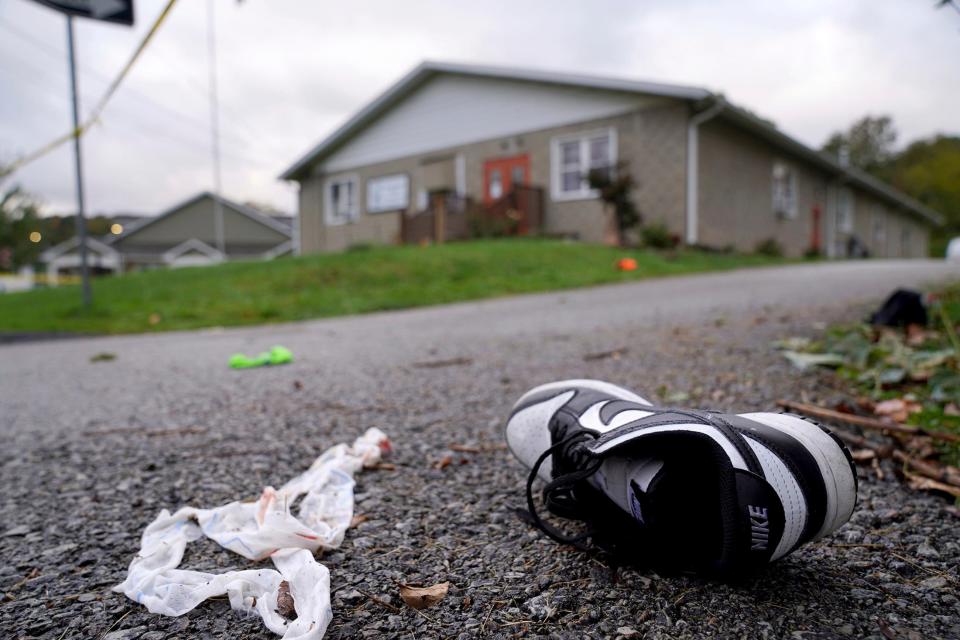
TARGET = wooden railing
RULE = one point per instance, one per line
(519, 212)
(445, 218)
(452, 217)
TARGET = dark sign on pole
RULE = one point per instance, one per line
(119, 11)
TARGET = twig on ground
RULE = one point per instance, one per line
(462, 448)
(486, 618)
(435, 364)
(920, 473)
(920, 567)
(879, 450)
(823, 413)
(916, 481)
(862, 545)
(113, 626)
(940, 473)
(378, 601)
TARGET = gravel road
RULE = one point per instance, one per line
(93, 450)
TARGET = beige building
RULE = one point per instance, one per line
(713, 173)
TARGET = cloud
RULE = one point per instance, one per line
(291, 72)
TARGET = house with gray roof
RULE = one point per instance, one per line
(715, 174)
(186, 234)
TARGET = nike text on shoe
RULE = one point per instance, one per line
(687, 489)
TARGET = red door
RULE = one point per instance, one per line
(502, 174)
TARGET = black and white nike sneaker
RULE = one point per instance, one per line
(687, 489)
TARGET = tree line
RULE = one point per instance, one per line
(927, 169)
(25, 233)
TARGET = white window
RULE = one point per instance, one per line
(784, 190)
(879, 230)
(341, 203)
(388, 193)
(572, 158)
(906, 242)
(845, 210)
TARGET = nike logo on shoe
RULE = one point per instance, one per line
(759, 528)
(591, 419)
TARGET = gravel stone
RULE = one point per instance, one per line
(20, 530)
(125, 634)
(936, 582)
(92, 453)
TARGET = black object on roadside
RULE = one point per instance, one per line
(856, 248)
(903, 307)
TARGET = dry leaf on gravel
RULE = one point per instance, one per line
(897, 409)
(443, 463)
(357, 519)
(613, 354)
(804, 361)
(423, 597)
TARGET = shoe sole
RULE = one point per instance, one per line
(594, 385)
(839, 475)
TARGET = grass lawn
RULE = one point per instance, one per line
(359, 281)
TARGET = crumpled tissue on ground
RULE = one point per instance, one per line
(258, 530)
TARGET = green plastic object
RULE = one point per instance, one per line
(276, 355)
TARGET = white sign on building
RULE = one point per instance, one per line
(388, 193)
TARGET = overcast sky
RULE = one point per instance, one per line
(292, 70)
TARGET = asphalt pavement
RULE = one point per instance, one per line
(95, 447)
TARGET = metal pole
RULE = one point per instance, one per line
(81, 218)
(215, 131)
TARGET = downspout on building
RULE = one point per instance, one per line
(691, 236)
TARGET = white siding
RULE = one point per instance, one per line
(454, 110)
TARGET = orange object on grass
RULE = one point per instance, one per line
(627, 264)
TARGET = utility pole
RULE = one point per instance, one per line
(215, 131)
(119, 12)
(81, 218)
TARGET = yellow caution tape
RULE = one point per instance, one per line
(101, 105)
(95, 114)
